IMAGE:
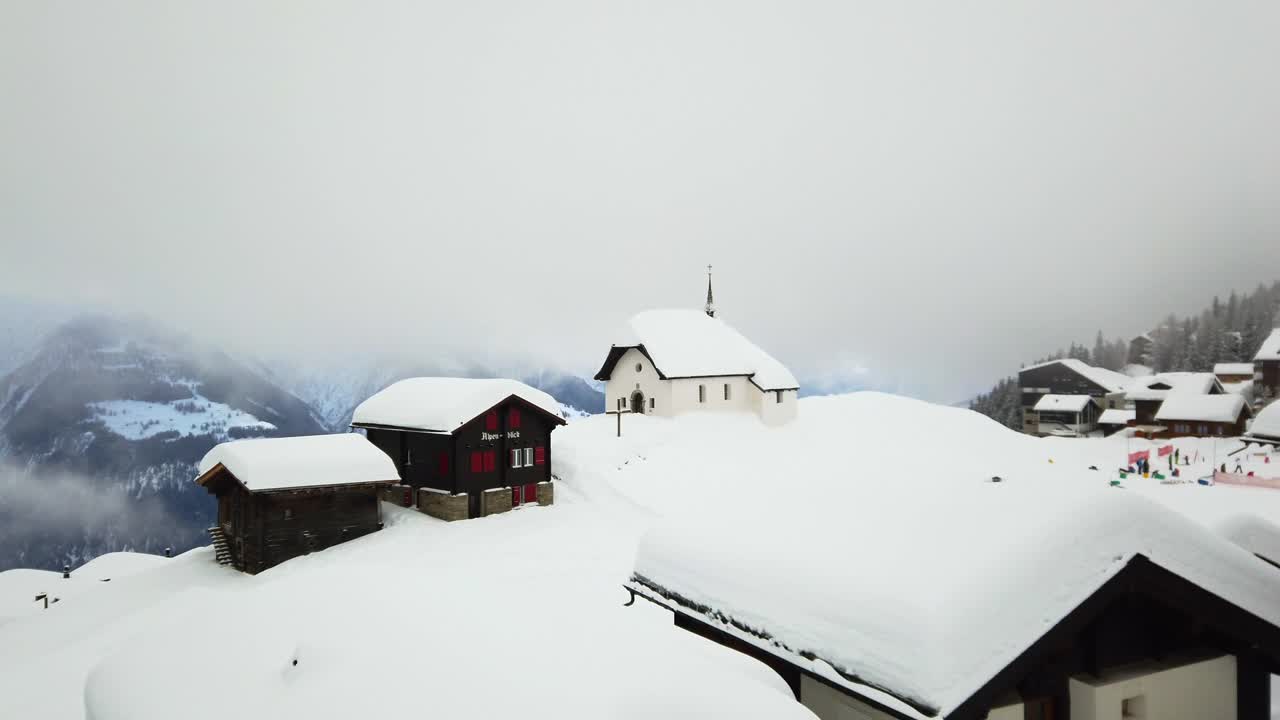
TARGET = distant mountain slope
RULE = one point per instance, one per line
(116, 413)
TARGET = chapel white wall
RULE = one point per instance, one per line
(625, 380)
(1195, 691)
(684, 394)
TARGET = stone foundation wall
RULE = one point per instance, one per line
(401, 495)
(443, 505)
(546, 493)
(497, 500)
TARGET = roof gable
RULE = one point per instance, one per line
(1107, 380)
(1270, 349)
(689, 343)
(443, 405)
(293, 463)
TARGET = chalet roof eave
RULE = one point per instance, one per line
(219, 469)
(1139, 574)
(615, 354)
(558, 420)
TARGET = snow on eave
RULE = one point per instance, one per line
(1233, 369)
(1116, 416)
(298, 463)
(1066, 403)
(442, 404)
(1109, 380)
(689, 344)
(1270, 349)
(1206, 408)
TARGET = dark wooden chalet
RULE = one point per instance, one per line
(1143, 622)
(464, 436)
(1067, 377)
(1202, 416)
(279, 498)
(1266, 365)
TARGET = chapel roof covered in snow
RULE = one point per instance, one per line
(689, 343)
(944, 606)
(1204, 408)
(1162, 385)
(1063, 403)
(443, 404)
(1109, 380)
(1270, 349)
(293, 463)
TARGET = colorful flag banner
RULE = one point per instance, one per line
(1139, 455)
(1166, 450)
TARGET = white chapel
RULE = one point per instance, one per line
(678, 361)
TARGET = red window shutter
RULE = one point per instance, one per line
(531, 492)
(490, 460)
(491, 420)
(477, 461)
(442, 463)
(514, 420)
(515, 496)
(539, 455)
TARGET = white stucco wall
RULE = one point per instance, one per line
(680, 395)
(625, 380)
(1194, 691)
(830, 704)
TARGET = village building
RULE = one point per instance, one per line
(1233, 372)
(466, 447)
(1113, 420)
(1140, 350)
(1141, 615)
(1067, 377)
(1266, 426)
(1266, 367)
(1221, 415)
(279, 498)
(679, 361)
(1146, 395)
(1067, 415)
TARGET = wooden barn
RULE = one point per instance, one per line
(482, 445)
(279, 498)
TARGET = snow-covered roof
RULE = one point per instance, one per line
(1267, 423)
(1244, 387)
(1116, 416)
(1109, 379)
(1065, 403)
(1270, 349)
(1182, 383)
(1233, 369)
(264, 464)
(443, 404)
(945, 602)
(1207, 408)
(1135, 370)
(689, 343)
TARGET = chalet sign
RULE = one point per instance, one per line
(511, 435)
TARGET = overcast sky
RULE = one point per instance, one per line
(931, 191)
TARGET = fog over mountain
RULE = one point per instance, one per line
(878, 185)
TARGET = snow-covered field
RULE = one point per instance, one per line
(521, 614)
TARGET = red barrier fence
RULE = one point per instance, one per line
(1249, 480)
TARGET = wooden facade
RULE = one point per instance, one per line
(1269, 370)
(1202, 428)
(508, 445)
(1144, 614)
(264, 528)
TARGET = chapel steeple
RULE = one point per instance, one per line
(711, 305)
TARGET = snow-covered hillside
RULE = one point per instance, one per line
(525, 609)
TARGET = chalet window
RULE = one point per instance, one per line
(491, 420)
(408, 456)
(539, 455)
(513, 419)
(288, 513)
(517, 458)
(702, 393)
(490, 460)
(442, 463)
(726, 391)
(477, 461)
(528, 457)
